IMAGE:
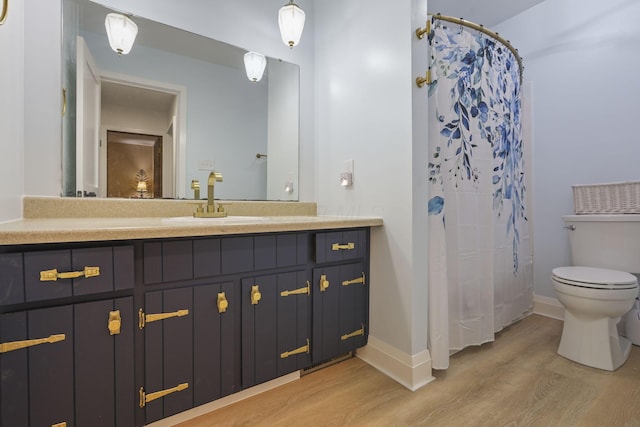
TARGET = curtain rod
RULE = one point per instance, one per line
(420, 32)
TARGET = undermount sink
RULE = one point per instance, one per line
(221, 220)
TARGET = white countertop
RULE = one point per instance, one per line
(55, 230)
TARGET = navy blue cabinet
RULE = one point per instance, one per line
(129, 333)
(341, 294)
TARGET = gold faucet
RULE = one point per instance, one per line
(195, 186)
(211, 211)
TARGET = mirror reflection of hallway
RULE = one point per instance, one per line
(130, 156)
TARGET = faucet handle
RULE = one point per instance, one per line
(195, 186)
(199, 209)
(220, 207)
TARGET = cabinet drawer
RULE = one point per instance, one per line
(341, 245)
(42, 275)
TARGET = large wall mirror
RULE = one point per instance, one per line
(177, 106)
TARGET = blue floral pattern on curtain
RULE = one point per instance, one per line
(483, 81)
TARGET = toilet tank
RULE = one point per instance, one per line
(606, 241)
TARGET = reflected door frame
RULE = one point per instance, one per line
(175, 167)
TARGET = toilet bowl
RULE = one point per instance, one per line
(594, 300)
(598, 289)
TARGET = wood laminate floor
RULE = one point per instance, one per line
(518, 380)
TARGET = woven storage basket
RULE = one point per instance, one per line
(616, 197)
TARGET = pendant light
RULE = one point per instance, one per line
(121, 31)
(254, 64)
(291, 23)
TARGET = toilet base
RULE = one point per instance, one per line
(593, 342)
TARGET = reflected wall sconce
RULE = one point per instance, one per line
(4, 5)
(122, 32)
(291, 23)
(254, 65)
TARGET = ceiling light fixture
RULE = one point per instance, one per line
(122, 32)
(291, 23)
(254, 64)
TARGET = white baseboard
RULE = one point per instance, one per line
(413, 372)
(225, 401)
(549, 307)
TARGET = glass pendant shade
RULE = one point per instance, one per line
(291, 23)
(254, 64)
(121, 31)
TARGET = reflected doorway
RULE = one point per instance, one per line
(134, 165)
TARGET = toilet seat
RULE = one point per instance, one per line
(594, 278)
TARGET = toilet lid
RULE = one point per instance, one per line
(598, 278)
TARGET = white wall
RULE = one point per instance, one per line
(42, 97)
(581, 57)
(11, 113)
(364, 93)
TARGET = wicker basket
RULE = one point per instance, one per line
(616, 197)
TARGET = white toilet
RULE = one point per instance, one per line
(598, 289)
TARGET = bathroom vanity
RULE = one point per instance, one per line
(125, 321)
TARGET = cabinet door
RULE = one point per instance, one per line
(103, 349)
(37, 381)
(216, 346)
(168, 337)
(196, 344)
(340, 310)
(275, 326)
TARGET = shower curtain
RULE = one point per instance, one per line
(480, 267)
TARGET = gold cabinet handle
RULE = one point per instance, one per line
(59, 425)
(54, 275)
(146, 398)
(339, 247)
(17, 345)
(355, 333)
(304, 349)
(114, 323)
(324, 283)
(255, 294)
(360, 280)
(304, 290)
(143, 318)
(223, 304)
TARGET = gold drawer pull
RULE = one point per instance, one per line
(305, 290)
(324, 283)
(115, 321)
(355, 333)
(54, 275)
(354, 281)
(146, 398)
(143, 319)
(255, 294)
(303, 349)
(59, 425)
(17, 345)
(338, 246)
(222, 303)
